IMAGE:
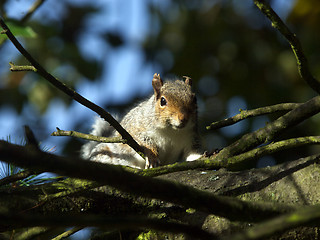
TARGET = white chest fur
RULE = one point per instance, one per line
(172, 144)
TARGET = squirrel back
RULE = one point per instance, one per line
(165, 125)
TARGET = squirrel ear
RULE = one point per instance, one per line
(157, 83)
(188, 80)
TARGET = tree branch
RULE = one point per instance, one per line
(117, 177)
(108, 222)
(67, 233)
(293, 41)
(302, 217)
(73, 94)
(31, 10)
(244, 114)
(15, 68)
(235, 162)
(273, 129)
(88, 136)
(16, 177)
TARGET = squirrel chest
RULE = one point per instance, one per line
(172, 145)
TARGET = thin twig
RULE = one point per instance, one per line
(73, 94)
(15, 68)
(293, 41)
(30, 137)
(88, 136)
(67, 233)
(31, 10)
(244, 114)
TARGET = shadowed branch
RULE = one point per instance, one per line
(294, 42)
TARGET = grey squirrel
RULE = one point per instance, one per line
(165, 125)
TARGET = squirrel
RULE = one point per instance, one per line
(165, 125)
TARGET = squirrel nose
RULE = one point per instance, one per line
(183, 119)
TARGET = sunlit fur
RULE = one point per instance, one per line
(168, 132)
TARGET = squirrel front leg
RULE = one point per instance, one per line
(152, 157)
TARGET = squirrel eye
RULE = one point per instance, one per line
(163, 102)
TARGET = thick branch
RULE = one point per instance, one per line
(244, 114)
(293, 41)
(302, 217)
(73, 94)
(117, 177)
(271, 130)
(108, 222)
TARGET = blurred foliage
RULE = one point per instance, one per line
(231, 46)
(236, 59)
(56, 49)
(19, 30)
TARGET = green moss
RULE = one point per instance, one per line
(151, 235)
(293, 218)
(147, 236)
(190, 210)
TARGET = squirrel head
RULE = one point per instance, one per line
(176, 104)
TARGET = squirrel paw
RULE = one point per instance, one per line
(152, 162)
(152, 158)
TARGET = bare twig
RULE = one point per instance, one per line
(88, 136)
(31, 139)
(73, 94)
(15, 68)
(293, 41)
(244, 114)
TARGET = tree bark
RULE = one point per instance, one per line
(289, 183)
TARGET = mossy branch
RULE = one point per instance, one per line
(302, 217)
(235, 163)
(117, 177)
(244, 114)
(73, 94)
(293, 41)
(109, 222)
(231, 163)
(15, 177)
(88, 136)
(68, 233)
(273, 129)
